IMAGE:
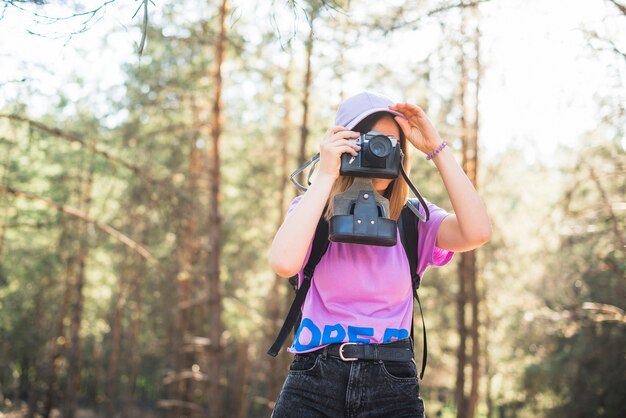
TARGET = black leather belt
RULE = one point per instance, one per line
(401, 350)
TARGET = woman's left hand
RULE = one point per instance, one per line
(417, 127)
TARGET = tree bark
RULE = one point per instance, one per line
(116, 338)
(277, 309)
(473, 175)
(242, 368)
(74, 355)
(134, 346)
(466, 405)
(214, 352)
(58, 344)
(304, 127)
(487, 359)
(36, 373)
(460, 398)
(182, 360)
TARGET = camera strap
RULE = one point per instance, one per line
(416, 193)
(313, 161)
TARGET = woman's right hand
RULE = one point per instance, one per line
(334, 144)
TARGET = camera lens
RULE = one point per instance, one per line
(380, 146)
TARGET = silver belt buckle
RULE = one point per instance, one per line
(341, 353)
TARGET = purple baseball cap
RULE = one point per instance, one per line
(356, 108)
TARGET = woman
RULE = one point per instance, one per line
(362, 294)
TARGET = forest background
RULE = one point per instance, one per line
(145, 150)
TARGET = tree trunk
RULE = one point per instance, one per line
(214, 349)
(276, 310)
(460, 398)
(475, 353)
(74, 357)
(183, 361)
(39, 330)
(99, 373)
(487, 359)
(242, 368)
(472, 170)
(58, 344)
(461, 350)
(116, 338)
(466, 405)
(134, 346)
(304, 127)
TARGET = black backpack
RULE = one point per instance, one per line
(408, 226)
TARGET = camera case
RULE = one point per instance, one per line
(361, 216)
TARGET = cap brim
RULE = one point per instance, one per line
(368, 112)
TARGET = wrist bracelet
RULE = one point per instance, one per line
(435, 152)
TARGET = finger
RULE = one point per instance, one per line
(333, 130)
(340, 132)
(346, 149)
(339, 147)
(402, 108)
(404, 124)
(344, 135)
(415, 111)
(345, 142)
(336, 129)
(409, 109)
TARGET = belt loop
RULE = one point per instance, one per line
(376, 352)
(325, 353)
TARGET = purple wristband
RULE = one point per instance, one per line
(435, 152)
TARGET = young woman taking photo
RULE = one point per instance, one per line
(362, 294)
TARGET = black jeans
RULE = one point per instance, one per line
(319, 385)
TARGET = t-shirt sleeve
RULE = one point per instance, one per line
(428, 253)
(292, 206)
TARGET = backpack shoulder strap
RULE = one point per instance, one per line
(407, 224)
(320, 245)
(408, 227)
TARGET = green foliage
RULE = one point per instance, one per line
(580, 361)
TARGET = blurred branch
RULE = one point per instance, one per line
(311, 10)
(621, 7)
(611, 45)
(90, 13)
(141, 172)
(138, 248)
(88, 16)
(73, 138)
(605, 312)
(607, 206)
(396, 16)
(173, 403)
(173, 377)
(37, 225)
(144, 25)
(22, 80)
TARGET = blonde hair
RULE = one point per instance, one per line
(397, 192)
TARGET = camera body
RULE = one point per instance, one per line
(380, 157)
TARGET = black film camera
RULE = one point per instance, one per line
(380, 157)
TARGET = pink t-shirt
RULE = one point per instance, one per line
(362, 293)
